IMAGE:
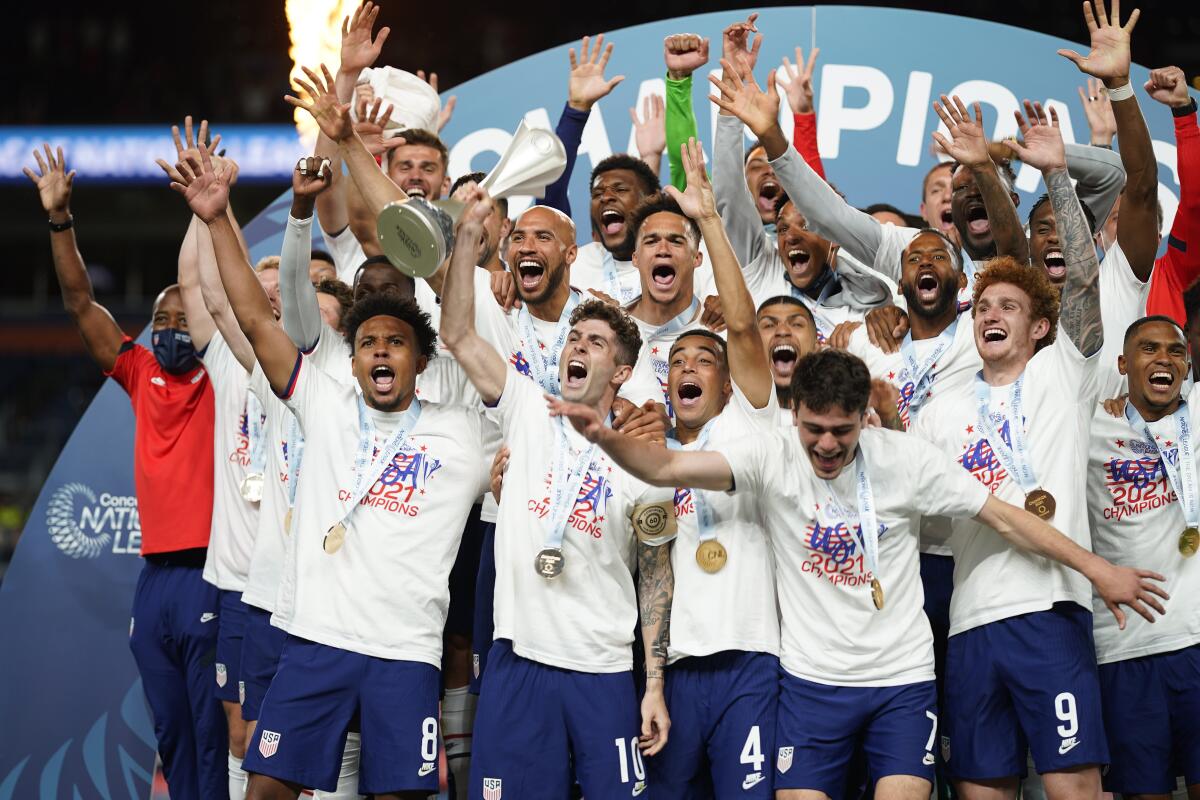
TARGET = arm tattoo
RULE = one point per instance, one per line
(1008, 235)
(656, 588)
(1080, 307)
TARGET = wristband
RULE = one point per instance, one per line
(1120, 93)
(1183, 111)
(59, 227)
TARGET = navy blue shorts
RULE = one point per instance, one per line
(722, 711)
(937, 580)
(1152, 715)
(1024, 683)
(230, 632)
(261, 647)
(485, 595)
(460, 617)
(535, 723)
(306, 713)
(822, 727)
(173, 636)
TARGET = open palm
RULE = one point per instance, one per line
(1042, 144)
(1109, 57)
(359, 50)
(742, 97)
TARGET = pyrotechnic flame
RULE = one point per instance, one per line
(315, 29)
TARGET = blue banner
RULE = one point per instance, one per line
(75, 722)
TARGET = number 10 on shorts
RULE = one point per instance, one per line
(629, 752)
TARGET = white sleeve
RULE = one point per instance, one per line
(940, 486)
(754, 461)
(299, 311)
(347, 253)
(307, 388)
(734, 203)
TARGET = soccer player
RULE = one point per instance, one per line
(842, 505)
(173, 626)
(1020, 428)
(1144, 507)
(559, 690)
(788, 332)
(723, 654)
(386, 478)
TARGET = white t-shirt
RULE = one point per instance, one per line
(957, 365)
(1122, 302)
(234, 519)
(831, 631)
(270, 543)
(993, 580)
(347, 253)
(656, 349)
(585, 618)
(1136, 520)
(587, 272)
(735, 608)
(386, 591)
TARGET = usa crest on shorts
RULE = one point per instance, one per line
(785, 758)
(491, 789)
(222, 675)
(268, 743)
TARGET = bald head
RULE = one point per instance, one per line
(546, 216)
(541, 249)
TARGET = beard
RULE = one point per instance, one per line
(946, 299)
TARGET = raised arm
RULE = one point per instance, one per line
(650, 463)
(650, 131)
(99, 330)
(201, 325)
(748, 365)
(969, 146)
(215, 301)
(799, 91)
(299, 311)
(684, 53)
(1080, 304)
(586, 85)
(656, 591)
(484, 366)
(1109, 60)
(207, 194)
(1116, 585)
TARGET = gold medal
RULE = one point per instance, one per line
(1189, 542)
(251, 487)
(287, 521)
(877, 593)
(549, 563)
(711, 556)
(1040, 503)
(335, 538)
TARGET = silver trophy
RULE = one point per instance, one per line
(417, 235)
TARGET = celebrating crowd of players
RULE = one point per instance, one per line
(756, 494)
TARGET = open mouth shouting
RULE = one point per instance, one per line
(798, 258)
(689, 393)
(416, 190)
(663, 275)
(1160, 383)
(827, 464)
(1055, 264)
(612, 222)
(783, 359)
(977, 220)
(947, 219)
(928, 287)
(530, 272)
(576, 375)
(768, 190)
(993, 335)
(383, 378)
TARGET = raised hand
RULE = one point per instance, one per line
(479, 205)
(53, 182)
(742, 97)
(1098, 110)
(684, 53)
(967, 143)
(205, 189)
(332, 116)
(359, 49)
(650, 132)
(1042, 145)
(370, 126)
(1109, 57)
(189, 146)
(447, 110)
(799, 86)
(311, 176)
(698, 201)
(1167, 85)
(587, 84)
(735, 42)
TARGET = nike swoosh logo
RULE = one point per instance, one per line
(928, 759)
(638, 788)
(425, 770)
(1067, 747)
(750, 781)
(207, 616)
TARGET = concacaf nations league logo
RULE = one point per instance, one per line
(84, 526)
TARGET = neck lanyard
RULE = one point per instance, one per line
(868, 522)
(565, 484)
(366, 470)
(543, 362)
(1181, 470)
(921, 373)
(612, 279)
(1014, 457)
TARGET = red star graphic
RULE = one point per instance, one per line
(610, 469)
(1120, 442)
(934, 366)
(928, 394)
(1168, 442)
(541, 345)
(423, 448)
(422, 491)
(970, 429)
(654, 351)
(891, 376)
(599, 519)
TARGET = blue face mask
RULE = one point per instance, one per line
(173, 350)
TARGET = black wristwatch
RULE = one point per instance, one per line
(59, 227)
(1183, 111)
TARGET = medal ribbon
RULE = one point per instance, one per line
(565, 482)
(366, 469)
(255, 435)
(673, 326)
(704, 513)
(1182, 474)
(612, 279)
(292, 456)
(868, 521)
(920, 372)
(543, 362)
(1015, 458)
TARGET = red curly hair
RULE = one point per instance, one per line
(1043, 297)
